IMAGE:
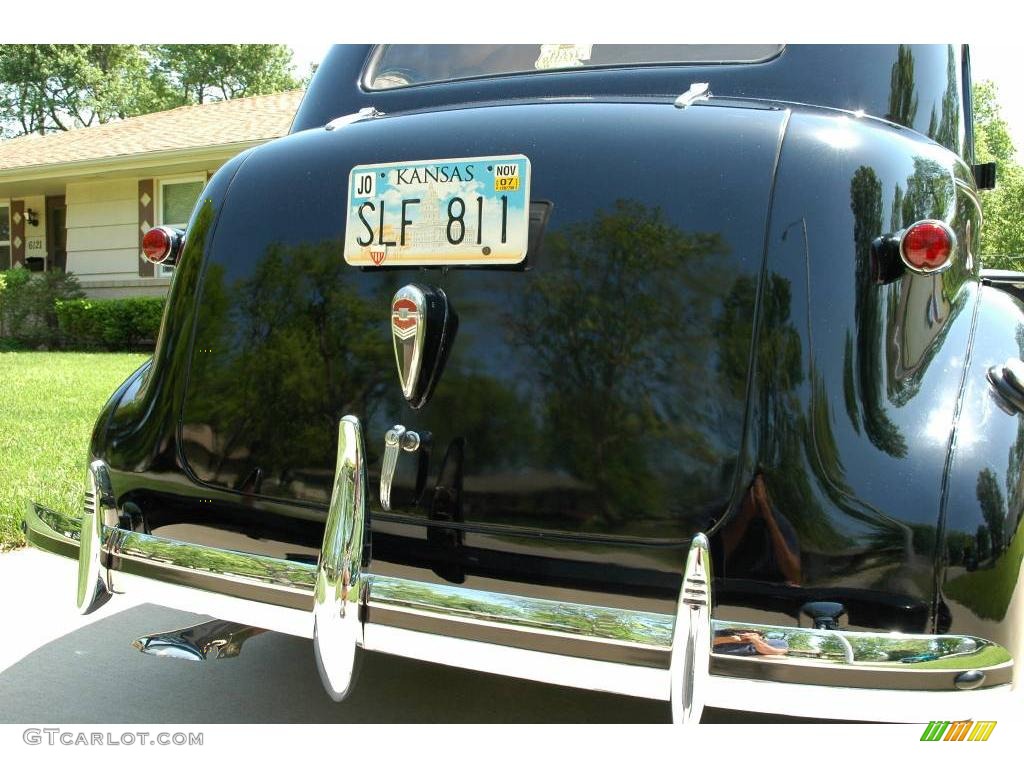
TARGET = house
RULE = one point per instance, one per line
(81, 200)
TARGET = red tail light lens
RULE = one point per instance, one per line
(157, 244)
(927, 246)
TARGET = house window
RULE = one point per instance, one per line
(175, 199)
(5, 235)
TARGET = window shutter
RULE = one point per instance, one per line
(147, 219)
(17, 233)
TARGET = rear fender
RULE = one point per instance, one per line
(979, 570)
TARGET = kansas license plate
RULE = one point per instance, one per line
(466, 211)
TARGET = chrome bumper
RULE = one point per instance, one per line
(342, 606)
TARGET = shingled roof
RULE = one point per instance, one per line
(248, 120)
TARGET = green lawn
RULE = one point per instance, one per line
(48, 405)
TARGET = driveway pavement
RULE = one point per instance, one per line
(59, 667)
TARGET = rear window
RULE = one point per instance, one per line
(398, 66)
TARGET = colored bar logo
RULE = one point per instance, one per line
(958, 730)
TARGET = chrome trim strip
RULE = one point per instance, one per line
(972, 194)
(266, 580)
(93, 583)
(691, 637)
(625, 679)
(277, 618)
(863, 676)
(235, 567)
(612, 625)
(579, 646)
(523, 629)
(890, 652)
(340, 585)
(52, 531)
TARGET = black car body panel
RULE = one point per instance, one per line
(856, 381)
(983, 495)
(576, 384)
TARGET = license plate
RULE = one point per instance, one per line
(466, 211)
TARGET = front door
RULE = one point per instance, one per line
(56, 234)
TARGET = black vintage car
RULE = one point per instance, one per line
(669, 371)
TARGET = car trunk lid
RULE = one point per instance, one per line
(596, 389)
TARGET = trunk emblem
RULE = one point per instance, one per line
(405, 318)
(407, 331)
(422, 329)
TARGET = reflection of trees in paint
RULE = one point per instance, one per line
(923, 309)
(944, 122)
(992, 554)
(902, 92)
(870, 307)
(486, 412)
(279, 355)
(895, 339)
(131, 439)
(621, 315)
(787, 451)
(944, 128)
(929, 194)
(614, 416)
(800, 447)
(1015, 483)
(993, 510)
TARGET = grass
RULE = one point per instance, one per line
(49, 402)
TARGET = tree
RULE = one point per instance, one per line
(991, 133)
(1002, 236)
(45, 88)
(204, 73)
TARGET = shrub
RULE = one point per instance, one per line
(111, 323)
(28, 304)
